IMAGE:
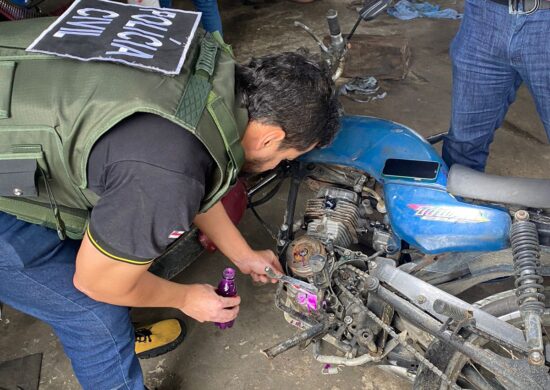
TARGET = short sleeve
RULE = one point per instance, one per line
(142, 210)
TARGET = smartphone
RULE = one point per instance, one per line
(411, 169)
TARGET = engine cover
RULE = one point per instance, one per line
(299, 252)
(333, 215)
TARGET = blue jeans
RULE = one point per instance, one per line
(492, 54)
(36, 277)
(211, 20)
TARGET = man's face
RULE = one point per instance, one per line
(264, 149)
(262, 164)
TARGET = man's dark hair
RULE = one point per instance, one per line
(293, 92)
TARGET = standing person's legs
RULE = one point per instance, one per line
(532, 58)
(484, 82)
(36, 277)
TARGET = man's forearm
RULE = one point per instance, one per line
(219, 228)
(148, 291)
(119, 283)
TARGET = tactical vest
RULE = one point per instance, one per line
(53, 111)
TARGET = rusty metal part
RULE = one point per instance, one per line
(390, 330)
(511, 373)
(312, 332)
(449, 310)
(492, 362)
(301, 317)
(350, 362)
(381, 205)
(420, 357)
(296, 283)
(521, 215)
(410, 286)
(529, 283)
(299, 253)
(387, 316)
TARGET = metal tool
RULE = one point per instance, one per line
(296, 283)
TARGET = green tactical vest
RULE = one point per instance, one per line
(53, 110)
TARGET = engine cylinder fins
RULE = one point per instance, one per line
(334, 231)
(299, 253)
(333, 215)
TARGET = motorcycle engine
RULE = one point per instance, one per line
(332, 222)
(331, 217)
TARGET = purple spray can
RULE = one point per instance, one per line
(227, 288)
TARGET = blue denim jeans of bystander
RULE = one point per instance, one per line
(493, 53)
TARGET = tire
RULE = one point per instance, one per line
(451, 362)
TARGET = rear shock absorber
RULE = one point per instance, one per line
(529, 282)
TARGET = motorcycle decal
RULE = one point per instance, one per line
(448, 213)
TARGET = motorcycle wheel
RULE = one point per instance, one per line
(460, 369)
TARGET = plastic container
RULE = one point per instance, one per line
(227, 288)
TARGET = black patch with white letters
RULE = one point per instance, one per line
(145, 37)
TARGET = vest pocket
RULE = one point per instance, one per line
(7, 70)
(18, 172)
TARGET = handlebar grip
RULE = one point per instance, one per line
(333, 24)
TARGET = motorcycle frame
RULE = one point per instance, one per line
(413, 299)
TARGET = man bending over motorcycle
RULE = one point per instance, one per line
(152, 179)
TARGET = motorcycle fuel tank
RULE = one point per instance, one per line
(422, 213)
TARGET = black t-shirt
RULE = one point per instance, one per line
(151, 176)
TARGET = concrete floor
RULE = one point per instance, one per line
(214, 359)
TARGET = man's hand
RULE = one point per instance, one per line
(255, 264)
(203, 304)
(118, 283)
(218, 227)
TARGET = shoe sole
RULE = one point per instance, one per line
(165, 348)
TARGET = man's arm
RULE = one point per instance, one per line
(118, 283)
(217, 225)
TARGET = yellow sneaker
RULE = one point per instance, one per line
(156, 339)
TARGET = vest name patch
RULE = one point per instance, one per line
(145, 37)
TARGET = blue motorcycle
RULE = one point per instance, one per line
(377, 255)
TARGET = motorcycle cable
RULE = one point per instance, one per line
(280, 174)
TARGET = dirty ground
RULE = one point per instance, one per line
(214, 359)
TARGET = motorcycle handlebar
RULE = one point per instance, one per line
(333, 23)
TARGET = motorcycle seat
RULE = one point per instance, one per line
(468, 183)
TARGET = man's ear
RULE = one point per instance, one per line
(271, 136)
(259, 136)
